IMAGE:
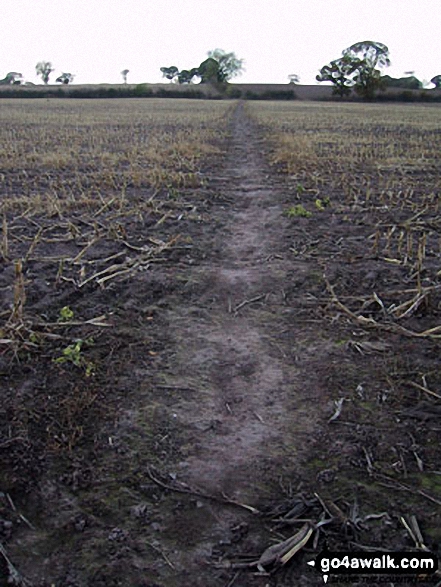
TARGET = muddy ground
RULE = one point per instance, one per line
(227, 400)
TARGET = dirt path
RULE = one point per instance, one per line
(248, 399)
(249, 405)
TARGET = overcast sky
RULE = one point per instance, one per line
(96, 39)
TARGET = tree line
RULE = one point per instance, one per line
(43, 69)
(358, 69)
(219, 67)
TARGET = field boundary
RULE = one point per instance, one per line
(212, 92)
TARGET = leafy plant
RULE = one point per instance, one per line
(322, 203)
(298, 211)
(73, 353)
(66, 314)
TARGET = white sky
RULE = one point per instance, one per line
(96, 39)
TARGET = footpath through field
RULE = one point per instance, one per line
(237, 401)
(243, 373)
(250, 405)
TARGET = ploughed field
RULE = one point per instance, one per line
(220, 329)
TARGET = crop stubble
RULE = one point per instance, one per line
(105, 207)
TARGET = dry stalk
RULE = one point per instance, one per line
(425, 389)
(5, 242)
(421, 254)
(411, 525)
(59, 275)
(105, 206)
(19, 295)
(395, 484)
(283, 552)
(100, 321)
(376, 243)
(34, 243)
(130, 266)
(94, 240)
(434, 333)
(180, 488)
(406, 309)
(409, 243)
(15, 578)
(400, 243)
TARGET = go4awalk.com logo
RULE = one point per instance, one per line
(375, 563)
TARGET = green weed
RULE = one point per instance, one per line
(66, 314)
(298, 211)
(73, 354)
(322, 203)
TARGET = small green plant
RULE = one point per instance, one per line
(73, 353)
(66, 314)
(298, 211)
(300, 189)
(34, 338)
(322, 203)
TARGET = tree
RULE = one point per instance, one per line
(12, 78)
(208, 71)
(357, 68)
(367, 57)
(182, 77)
(229, 65)
(44, 69)
(340, 73)
(186, 76)
(124, 73)
(170, 72)
(436, 81)
(65, 78)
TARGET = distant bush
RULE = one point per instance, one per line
(17, 93)
(190, 93)
(271, 95)
(407, 83)
(95, 92)
(409, 96)
(233, 93)
(142, 91)
(430, 97)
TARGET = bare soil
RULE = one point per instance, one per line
(206, 430)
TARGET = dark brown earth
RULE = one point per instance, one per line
(204, 433)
